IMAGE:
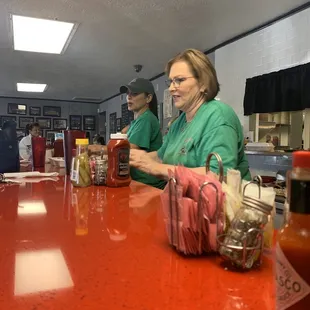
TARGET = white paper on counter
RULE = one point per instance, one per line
(167, 104)
(29, 174)
(37, 180)
(32, 180)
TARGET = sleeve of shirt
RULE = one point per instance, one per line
(141, 133)
(222, 140)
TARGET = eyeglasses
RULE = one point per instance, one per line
(177, 81)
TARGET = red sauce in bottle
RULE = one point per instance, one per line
(293, 242)
(118, 174)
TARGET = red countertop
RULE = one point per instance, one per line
(123, 262)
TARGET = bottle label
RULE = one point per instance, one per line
(123, 162)
(290, 286)
(75, 172)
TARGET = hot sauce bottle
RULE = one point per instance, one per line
(293, 241)
(118, 173)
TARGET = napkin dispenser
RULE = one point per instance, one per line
(9, 150)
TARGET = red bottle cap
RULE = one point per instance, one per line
(301, 159)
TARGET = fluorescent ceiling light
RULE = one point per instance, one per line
(40, 35)
(31, 208)
(31, 87)
(40, 271)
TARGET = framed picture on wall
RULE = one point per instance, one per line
(112, 119)
(118, 124)
(89, 122)
(24, 121)
(35, 111)
(52, 111)
(60, 123)
(15, 108)
(50, 134)
(45, 122)
(20, 134)
(75, 122)
(6, 118)
(125, 119)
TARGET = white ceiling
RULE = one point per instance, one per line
(113, 35)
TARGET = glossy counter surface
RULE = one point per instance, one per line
(104, 248)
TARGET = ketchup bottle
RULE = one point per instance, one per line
(118, 173)
(293, 241)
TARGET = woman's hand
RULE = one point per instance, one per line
(140, 160)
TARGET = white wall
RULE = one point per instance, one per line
(279, 46)
(114, 105)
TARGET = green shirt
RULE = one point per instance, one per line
(214, 128)
(145, 133)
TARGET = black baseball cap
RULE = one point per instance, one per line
(139, 86)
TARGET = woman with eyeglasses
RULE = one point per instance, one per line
(144, 131)
(206, 125)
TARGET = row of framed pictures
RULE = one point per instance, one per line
(22, 109)
(48, 134)
(75, 122)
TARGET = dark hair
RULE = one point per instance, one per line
(32, 125)
(100, 140)
(27, 129)
(8, 124)
(153, 105)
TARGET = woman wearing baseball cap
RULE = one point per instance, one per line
(144, 131)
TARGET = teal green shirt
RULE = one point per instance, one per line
(214, 128)
(145, 133)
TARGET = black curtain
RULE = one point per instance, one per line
(285, 90)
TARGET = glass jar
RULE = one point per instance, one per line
(241, 244)
(101, 167)
(80, 168)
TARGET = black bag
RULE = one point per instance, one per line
(9, 149)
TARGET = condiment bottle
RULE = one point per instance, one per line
(101, 167)
(118, 174)
(80, 168)
(293, 241)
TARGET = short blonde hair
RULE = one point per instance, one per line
(202, 69)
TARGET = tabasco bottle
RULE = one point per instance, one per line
(293, 241)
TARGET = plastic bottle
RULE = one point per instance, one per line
(80, 169)
(118, 174)
(293, 241)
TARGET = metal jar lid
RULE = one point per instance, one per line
(257, 204)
